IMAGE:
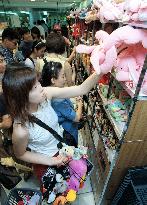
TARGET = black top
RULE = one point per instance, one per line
(3, 109)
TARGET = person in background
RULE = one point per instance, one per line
(41, 29)
(57, 29)
(2, 63)
(110, 27)
(44, 25)
(9, 44)
(55, 47)
(5, 119)
(38, 50)
(2, 69)
(35, 32)
(27, 41)
(53, 75)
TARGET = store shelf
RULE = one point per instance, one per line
(131, 91)
(118, 126)
(110, 153)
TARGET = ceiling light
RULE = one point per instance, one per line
(32, 0)
(24, 12)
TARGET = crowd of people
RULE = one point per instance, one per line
(38, 80)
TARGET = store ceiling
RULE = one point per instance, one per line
(40, 4)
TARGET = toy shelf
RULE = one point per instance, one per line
(131, 91)
(118, 126)
(96, 133)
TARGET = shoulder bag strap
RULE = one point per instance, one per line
(45, 126)
(31, 59)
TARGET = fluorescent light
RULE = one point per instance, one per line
(45, 12)
(8, 12)
(24, 12)
(32, 0)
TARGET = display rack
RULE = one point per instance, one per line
(112, 164)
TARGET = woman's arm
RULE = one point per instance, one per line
(79, 110)
(72, 55)
(20, 142)
(69, 92)
(68, 74)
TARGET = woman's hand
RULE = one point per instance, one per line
(61, 160)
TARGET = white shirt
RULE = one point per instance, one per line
(40, 139)
(30, 64)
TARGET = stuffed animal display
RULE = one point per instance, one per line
(131, 46)
(101, 61)
(131, 55)
(118, 10)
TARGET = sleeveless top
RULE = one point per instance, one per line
(50, 57)
(40, 139)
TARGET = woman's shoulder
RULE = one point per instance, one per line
(19, 131)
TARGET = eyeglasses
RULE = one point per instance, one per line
(14, 42)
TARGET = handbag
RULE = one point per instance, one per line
(67, 138)
(9, 177)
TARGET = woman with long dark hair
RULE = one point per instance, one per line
(24, 97)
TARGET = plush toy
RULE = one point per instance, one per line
(101, 61)
(120, 37)
(129, 65)
(109, 12)
(67, 151)
(72, 152)
(77, 169)
(135, 10)
(61, 200)
(91, 16)
(60, 187)
(80, 152)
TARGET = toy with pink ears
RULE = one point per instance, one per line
(132, 45)
(101, 61)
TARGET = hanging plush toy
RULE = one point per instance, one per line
(76, 30)
(101, 61)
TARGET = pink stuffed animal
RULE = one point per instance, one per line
(109, 12)
(77, 169)
(102, 62)
(126, 35)
(129, 65)
(136, 10)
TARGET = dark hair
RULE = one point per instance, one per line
(55, 43)
(36, 31)
(24, 31)
(42, 22)
(50, 70)
(1, 54)
(38, 45)
(17, 82)
(38, 22)
(9, 33)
